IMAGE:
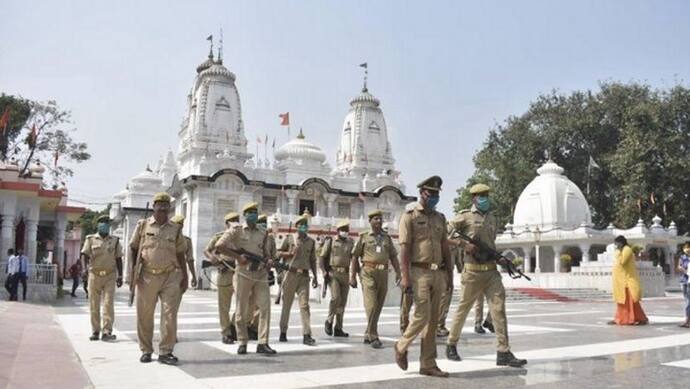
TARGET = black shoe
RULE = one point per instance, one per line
(71, 294)
(264, 349)
(478, 329)
(489, 326)
(94, 336)
(145, 358)
(367, 341)
(167, 359)
(252, 335)
(339, 333)
(227, 339)
(508, 359)
(283, 337)
(242, 349)
(376, 344)
(452, 353)
(308, 340)
(108, 337)
(328, 328)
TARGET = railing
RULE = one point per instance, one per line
(37, 274)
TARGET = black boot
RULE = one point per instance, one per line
(452, 353)
(227, 339)
(308, 340)
(508, 359)
(233, 332)
(242, 349)
(108, 337)
(145, 358)
(339, 333)
(167, 359)
(264, 349)
(376, 343)
(489, 326)
(283, 337)
(94, 336)
(328, 328)
(478, 329)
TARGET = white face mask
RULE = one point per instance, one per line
(343, 234)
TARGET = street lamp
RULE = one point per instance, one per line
(537, 237)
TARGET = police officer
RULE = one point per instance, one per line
(189, 251)
(224, 281)
(427, 273)
(375, 249)
(300, 255)
(480, 276)
(102, 260)
(251, 278)
(159, 273)
(335, 264)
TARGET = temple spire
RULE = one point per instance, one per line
(220, 48)
(366, 74)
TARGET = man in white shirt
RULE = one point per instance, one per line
(12, 270)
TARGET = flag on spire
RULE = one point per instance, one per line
(284, 119)
(593, 163)
(364, 65)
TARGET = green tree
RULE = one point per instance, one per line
(18, 111)
(639, 136)
(88, 221)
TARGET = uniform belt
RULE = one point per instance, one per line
(101, 273)
(377, 266)
(428, 266)
(297, 270)
(480, 266)
(339, 269)
(155, 270)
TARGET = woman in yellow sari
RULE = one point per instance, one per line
(627, 292)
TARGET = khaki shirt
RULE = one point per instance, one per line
(374, 248)
(160, 243)
(240, 236)
(189, 251)
(424, 232)
(102, 252)
(478, 226)
(305, 252)
(271, 247)
(340, 251)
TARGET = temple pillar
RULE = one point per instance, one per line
(527, 250)
(292, 201)
(31, 243)
(585, 252)
(557, 250)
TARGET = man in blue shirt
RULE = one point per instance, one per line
(23, 271)
(683, 263)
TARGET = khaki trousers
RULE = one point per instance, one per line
(374, 289)
(225, 285)
(445, 307)
(340, 287)
(479, 312)
(151, 288)
(428, 287)
(252, 288)
(406, 307)
(102, 287)
(296, 284)
(488, 284)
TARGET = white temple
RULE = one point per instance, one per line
(552, 217)
(213, 172)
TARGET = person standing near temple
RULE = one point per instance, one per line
(627, 292)
(12, 269)
(75, 273)
(23, 263)
(683, 266)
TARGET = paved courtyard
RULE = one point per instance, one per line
(567, 344)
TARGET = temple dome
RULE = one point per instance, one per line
(551, 201)
(300, 149)
(365, 98)
(146, 179)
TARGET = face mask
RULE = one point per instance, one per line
(251, 217)
(103, 228)
(343, 234)
(432, 201)
(302, 228)
(483, 204)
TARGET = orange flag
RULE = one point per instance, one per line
(284, 119)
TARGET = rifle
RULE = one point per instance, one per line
(137, 265)
(256, 259)
(501, 259)
(206, 264)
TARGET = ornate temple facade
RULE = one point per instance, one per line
(213, 172)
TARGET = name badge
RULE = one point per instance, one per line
(378, 249)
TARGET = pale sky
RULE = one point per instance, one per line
(445, 72)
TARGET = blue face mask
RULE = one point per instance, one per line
(432, 201)
(251, 217)
(303, 228)
(483, 204)
(103, 228)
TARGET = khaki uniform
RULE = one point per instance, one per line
(296, 280)
(424, 233)
(376, 251)
(102, 253)
(480, 277)
(271, 253)
(337, 255)
(160, 278)
(252, 285)
(225, 285)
